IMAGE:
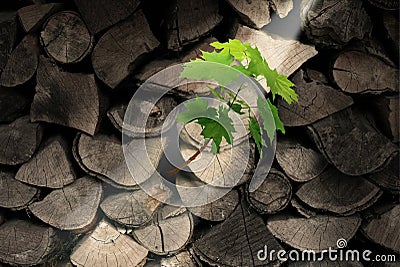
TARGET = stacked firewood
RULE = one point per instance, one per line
(68, 70)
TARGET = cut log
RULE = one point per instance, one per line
(20, 140)
(103, 157)
(226, 169)
(324, 27)
(8, 36)
(50, 167)
(385, 230)
(388, 178)
(120, 49)
(154, 123)
(105, 246)
(14, 194)
(236, 241)
(325, 262)
(65, 37)
(302, 209)
(316, 233)
(300, 163)
(24, 243)
(13, 104)
(387, 116)
(336, 192)
(391, 24)
(73, 207)
(351, 143)
(316, 101)
(273, 195)
(68, 99)
(253, 13)
(132, 208)
(181, 259)
(1, 217)
(286, 56)
(386, 4)
(22, 63)
(32, 17)
(169, 232)
(220, 201)
(282, 7)
(182, 24)
(101, 14)
(356, 72)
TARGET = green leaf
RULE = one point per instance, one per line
(267, 117)
(223, 57)
(255, 130)
(234, 47)
(278, 123)
(196, 109)
(237, 108)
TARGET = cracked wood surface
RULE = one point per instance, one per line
(236, 241)
(50, 167)
(324, 27)
(105, 246)
(64, 98)
(8, 34)
(22, 63)
(27, 244)
(388, 177)
(73, 207)
(19, 140)
(32, 17)
(282, 7)
(356, 72)
(351, 143)
(338, 193)
(273, 195)
(317, 233)
(254, 13)
(169, 232)
(316, 101)
(65, 37)
(386, 4)
(121, 48)
(13, 104)
(300, 163)
(14, 194)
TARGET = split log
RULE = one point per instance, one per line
(351, 143)
(324, 27)
(32, 17)
(273, 195)
(387, 116)
(169, 232)
(282, 7)
(386, 4)
(154, 123)
(13, 104)
(325, 262)
(65, 37)
(20, 140)
(220, 201)
(68, 99)
(105, 246)
(236, 241)
(302, 209)
(316, 101)
(391, 24)
(286, 56)
(24, 243)
(388, 177)
(315, 75)
(182, 24)
(356, 72)
(73, 207)
(132, 208)
(181, 259)
(50, 167)
(120, 49)
(22, 63)
(300, 163)
(253, 13)
(14, 194)
(338, 193)
(8, 35)
(1, 217)
(316, 233)
(385, 230)
(101, 14)
(103, 157)
(226, 169)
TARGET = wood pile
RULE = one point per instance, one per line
(68, 70)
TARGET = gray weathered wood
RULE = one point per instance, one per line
(32, 17)
(387, 114)
(65, 37)
(20, 140)
(253, 13)
(8, 35)
(388, 177)
(282, 7)
(13, 104)
(68, 99)
(181, 259)
(386, 4)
